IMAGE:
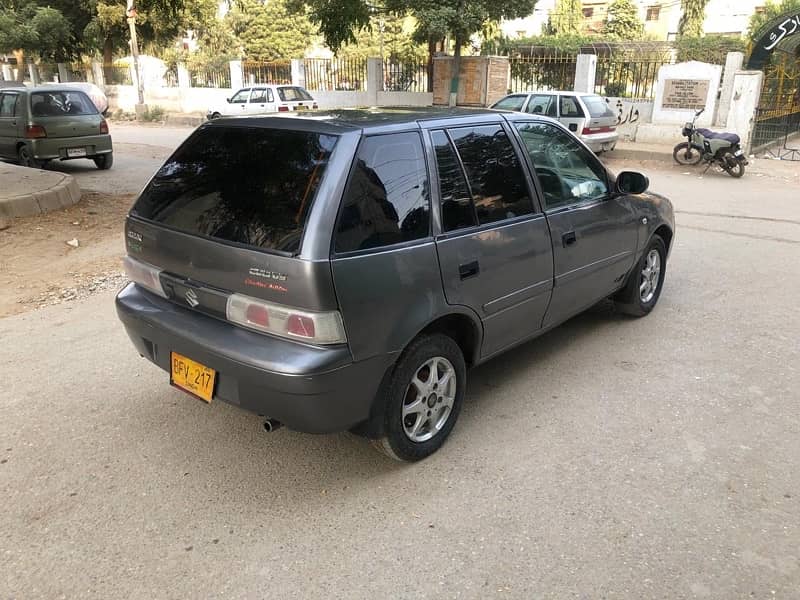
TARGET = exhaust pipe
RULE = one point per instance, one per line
(271, 425)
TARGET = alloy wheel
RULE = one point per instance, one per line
(650, 276)
(429, 399)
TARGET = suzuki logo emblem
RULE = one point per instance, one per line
(191, 298)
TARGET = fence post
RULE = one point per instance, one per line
(98, 74)
(8, 75)
(237, 75)
(63, 74)
(299, 72)
(733, 63)
(34, 73)
(585, 73)
(747, 86)
(184, 81)
(374, 80)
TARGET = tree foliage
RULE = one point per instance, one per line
(711, 48)
(566, 18)
(623, 22)
(693, 16)
(270, 31)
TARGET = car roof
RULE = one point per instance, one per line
(341, 121)
(553, 93)
(44, 88)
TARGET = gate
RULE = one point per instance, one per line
(777, 120)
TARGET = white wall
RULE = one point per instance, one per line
(531, 25)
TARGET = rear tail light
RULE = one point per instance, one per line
(283, 109)
(284, 321)
(33, 132)
(103, 126)
(591, 130)
(144, 275)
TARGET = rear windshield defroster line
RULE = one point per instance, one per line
(249, 186)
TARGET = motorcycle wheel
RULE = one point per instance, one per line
(732, 165)
(685, 154)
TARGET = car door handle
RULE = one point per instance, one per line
(569, 238)
(468, 270)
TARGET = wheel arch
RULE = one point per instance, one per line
(666, 234)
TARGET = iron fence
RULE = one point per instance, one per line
(543, 69)
(339, 74)
(629, 69)
(117, 75)
(267, 72)
(778, 113)
(210, 77)
(405, 76)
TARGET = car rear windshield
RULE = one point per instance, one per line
(293, 94)
(56, 104)
(249, 186)
(597, 106)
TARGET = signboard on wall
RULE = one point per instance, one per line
(685, 94)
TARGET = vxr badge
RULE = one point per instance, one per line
(191, 298)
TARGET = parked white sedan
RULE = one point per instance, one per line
(262, 99)
(588, 116)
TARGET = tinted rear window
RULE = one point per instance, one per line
(293, 94)
(244, 185)
(597, 106)
(55, 104)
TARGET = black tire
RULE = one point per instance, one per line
(629, 300)
(732, 165)
(216, 115)
(104, 161)
(686, 154)
(26, 159)
(399, 393)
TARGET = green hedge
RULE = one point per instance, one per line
(710, 49)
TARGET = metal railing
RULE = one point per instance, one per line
(405, 76)
(210, 77)
(267, 72)
(628, 77)
(336, 74)
(543, 69)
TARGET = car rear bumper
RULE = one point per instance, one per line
(601, 142)
(308, 388)
(55, 148)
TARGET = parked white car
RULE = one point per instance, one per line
(588, 116)
(263, 99)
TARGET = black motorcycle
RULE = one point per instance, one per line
(704, 145)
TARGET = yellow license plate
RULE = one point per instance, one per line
(192, 377)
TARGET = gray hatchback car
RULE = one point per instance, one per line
(342, 271)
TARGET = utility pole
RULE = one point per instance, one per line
(130, 13)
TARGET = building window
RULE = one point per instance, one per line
(588, 13)
(653, 13)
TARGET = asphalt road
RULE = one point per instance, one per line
(611, 458)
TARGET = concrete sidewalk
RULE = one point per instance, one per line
(25, 192)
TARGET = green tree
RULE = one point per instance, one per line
(693, 16)
(38, 31)
(270, 31)
(54, 34)
(566, 18)
(623, 22)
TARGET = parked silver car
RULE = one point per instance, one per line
(588, 116)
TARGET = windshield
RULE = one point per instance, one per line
(292, 94)
(54, 104)
(250, 186)
(597, 106)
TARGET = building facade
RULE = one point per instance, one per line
(660, 17)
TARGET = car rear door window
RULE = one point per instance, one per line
(567, 172)
(570, 108)
(494, 173)
(247, 185)
(511, 102)
(8, 105)
(458, 211)
(387, 200)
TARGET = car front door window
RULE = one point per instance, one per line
(240, 97)
(567, 172)
(259, 96)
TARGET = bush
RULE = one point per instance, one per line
(154, 114)
(710, 49)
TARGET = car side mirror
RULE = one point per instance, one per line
(105, 112)
(228, 100)
(631, 182)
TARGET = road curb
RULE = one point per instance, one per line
(640, 154)
(46, 191)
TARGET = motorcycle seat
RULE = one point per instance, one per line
(713, 135)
